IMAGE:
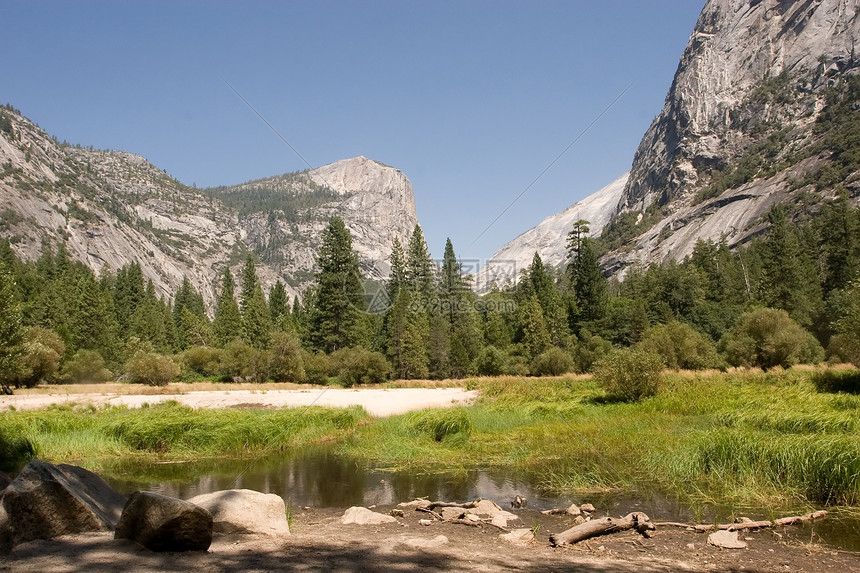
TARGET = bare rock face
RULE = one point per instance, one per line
(735, 45)
(162, 523)
(46, 501)
(549, 238)
(243, 511)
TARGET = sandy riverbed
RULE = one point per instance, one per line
(377, 402)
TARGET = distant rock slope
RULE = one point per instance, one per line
(549, 238)
(748, 90)
(111, 208)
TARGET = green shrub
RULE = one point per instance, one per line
(151, 369)
(629, 374)
(441, 424)
(837, 381)
(491, 362)
(589, 350)
(85, 366)
(553, 362)
(317, 367)
(203, 360)
(357, 365)
(43, 350)
(681, 347)
(243, 362)
(768, 337)
(286, 358)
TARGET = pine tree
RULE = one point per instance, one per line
(533, 332)
(128, 294)
(589, 285)
(397, 276)
(279, 309)
(11, 331)
(789, 279)
(148, 324)
(256, 321)
(439, 348)
(93, 321)
(839, 231)
(339, 294)
(419, 266)
(227, 325)
(187, 299)
(249, 282)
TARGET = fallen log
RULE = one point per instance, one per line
(603, 526)
(747, 523)
(572, 510)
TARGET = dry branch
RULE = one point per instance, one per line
(605, 525)
(746, 523)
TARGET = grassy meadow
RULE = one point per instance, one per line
(765, 439)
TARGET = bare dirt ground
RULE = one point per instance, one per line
(376, 401)
(321, 543)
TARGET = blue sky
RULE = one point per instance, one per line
(471, 99)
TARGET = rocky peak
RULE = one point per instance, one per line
(735, 45)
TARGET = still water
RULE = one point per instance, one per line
(319, 478)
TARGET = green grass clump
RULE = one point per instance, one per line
(837, 381)
(441, 424)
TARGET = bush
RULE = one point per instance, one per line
(151, 369)
(241, 361)
(202, 360)
(354, 366)
(43, 350)
(317, 367)
(630, 374)
(491, 362)
(837, 381)
(768, 337)
(681, 347)
(553, 362)
(85, 366)
(286, 355)
(589, 350)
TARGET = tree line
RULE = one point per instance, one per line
(789, 296)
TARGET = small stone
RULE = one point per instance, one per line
(573, 510)
(424, 522)
(396, 513)
(518, 536)
(587, 507)
(691, 546)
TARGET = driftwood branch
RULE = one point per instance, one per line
(636, 520)
(746, 523)
(431, 512)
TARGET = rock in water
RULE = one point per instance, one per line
(363, 516)
(162, 523)
(47, 501)
(245, 511)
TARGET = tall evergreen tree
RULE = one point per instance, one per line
(129, 291)
(279, 308)
(839, 231)
(419, 266)
(249, 282)
(227, 325)
(533, 332)
(256, 321)
(589, 285)
(789, 279)
(397, 276)
(93, 321)
(339, 294)
(11, 333)
(187, 299)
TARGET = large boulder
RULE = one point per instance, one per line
(46, 501)
(245, 511)
(162, 523)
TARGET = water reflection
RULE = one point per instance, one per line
(319, 478)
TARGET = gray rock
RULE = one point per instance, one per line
(162, 523)
(726, 540)
(241, 511)
(46, 501)
(364, 516)
(449, 513)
